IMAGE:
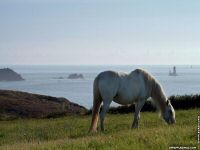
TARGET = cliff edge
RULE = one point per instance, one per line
(15, 104)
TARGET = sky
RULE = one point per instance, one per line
(99, 32)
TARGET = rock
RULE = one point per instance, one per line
(59, 78)
(15, 104)
(75, 76)
(7, 74)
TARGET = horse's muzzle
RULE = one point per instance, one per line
(171, 121)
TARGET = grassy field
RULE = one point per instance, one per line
(72, 132)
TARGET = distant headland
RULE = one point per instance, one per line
(7, 74)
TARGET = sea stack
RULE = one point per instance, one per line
(7, 74)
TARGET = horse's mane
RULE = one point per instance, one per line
(155, 88)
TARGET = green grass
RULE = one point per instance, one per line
(72, 132)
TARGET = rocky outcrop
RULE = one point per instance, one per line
(76, 76)
(15, 104)
(7, 74)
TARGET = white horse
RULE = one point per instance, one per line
(135, 87)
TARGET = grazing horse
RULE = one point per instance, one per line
(122, 88)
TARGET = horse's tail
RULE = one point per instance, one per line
(96, 105)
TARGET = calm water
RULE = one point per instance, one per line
(41, 80)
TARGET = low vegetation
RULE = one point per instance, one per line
(72, 132)
(179, 102)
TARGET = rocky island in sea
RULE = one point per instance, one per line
(76, 76)
(7, 74)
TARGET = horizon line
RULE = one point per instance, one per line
(99, 64)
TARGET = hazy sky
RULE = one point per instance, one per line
(99, 32)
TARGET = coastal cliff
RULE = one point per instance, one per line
(15, 104)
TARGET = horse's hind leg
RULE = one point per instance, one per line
(95, 115)
(138, 107)
(105, 107)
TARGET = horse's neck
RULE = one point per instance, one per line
(159, 96)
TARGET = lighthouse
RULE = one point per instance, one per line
(173, 73)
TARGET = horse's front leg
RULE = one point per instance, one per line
(105, 107)
(138, 107)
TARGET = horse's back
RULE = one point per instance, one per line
(139, 71)
(131, 88)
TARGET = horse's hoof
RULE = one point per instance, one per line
(92, 131)
(103, 129)
(134, 127)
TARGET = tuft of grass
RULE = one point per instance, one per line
(72, 132)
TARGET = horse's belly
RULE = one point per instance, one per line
(124, 100)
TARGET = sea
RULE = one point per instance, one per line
(44, 79)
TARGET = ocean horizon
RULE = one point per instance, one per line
(44, 79)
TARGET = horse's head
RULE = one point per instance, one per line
(169, 114)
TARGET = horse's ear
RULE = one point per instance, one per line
(168, 102)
